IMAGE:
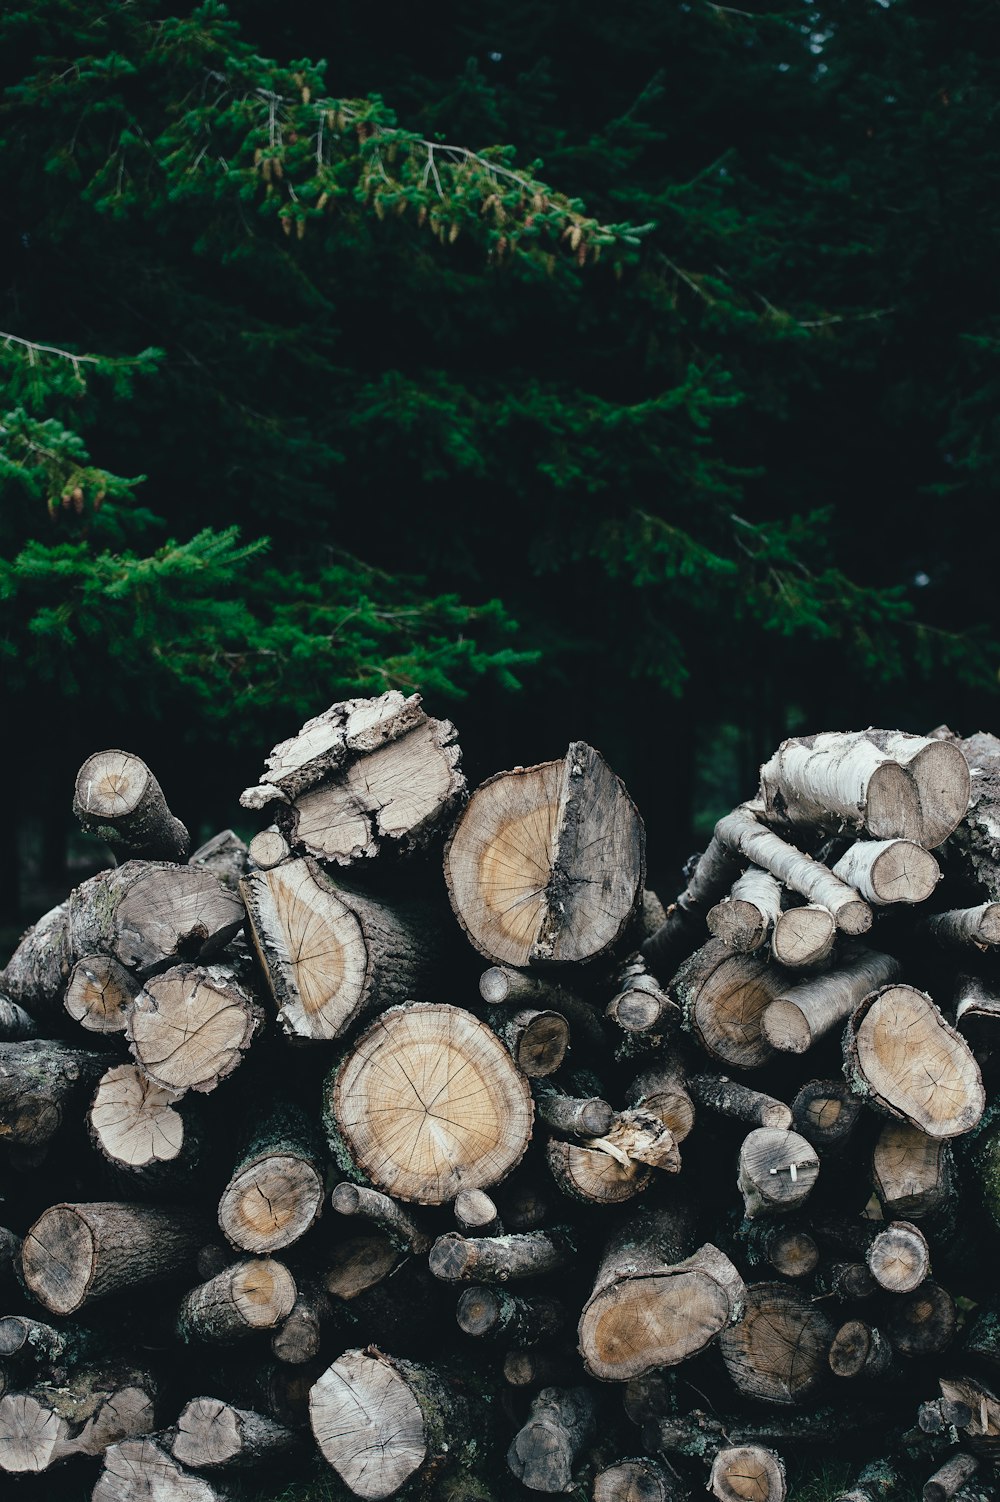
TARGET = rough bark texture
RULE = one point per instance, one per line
(544, 1451)
(745, 835)
(40, 1083)
(723, 997)
(246, 1297)
(148, 913)
(807, 1010)
(117, 799)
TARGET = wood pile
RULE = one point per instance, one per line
(418, 1141)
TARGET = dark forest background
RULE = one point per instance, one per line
(665, 414)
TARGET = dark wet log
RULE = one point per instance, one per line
(778, 1352)
(862, 1350)
(499, 1259)
(924, 1322)
(395, 1222)
(826, 1113)
(537, 1040)
(738, 1102)
(494, 1314)
(41, 1085)
(528, 1367)
(875, 1482)
(544, 1452)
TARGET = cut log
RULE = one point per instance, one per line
(586, 1117)
(332, 956)
(397, 1224)
(594, 1176)
(476, 1214)
(426, 1103)
(982, 1430)
(913, 1174)
(861, 1350)
(534, 1368)
(889, 785)
(99, 993)
(82, 1415)
(738, 1102)
(826, 1113)
(652, 1305)
(745, 835)
(779, 1350)
(777, 1171)
(547, 863)
(640, 1006)
(899, 1258)
(709, 877)
(803, 936)
(10, 1258)
(847, 1281)
(117, 799)
(299, 1337)
(806, 1011)
(248, 1296)
(748, 1473)
(142, 1470)
(501, 985)
(212, 1433)
(662, 1090)
(26, 1342)
(724, 996)
(901, 1055)
(889, 871)
(40, 1082)
(191, 1025)
(500, 1259)
(15, 1023)
(268, 848)
(973, 843)
(147, 914)
(744, 919)
(537, 1041)
(876, 1481)
(225, 855)
(976, 927)
(359, 1263)
(544, 1452)
(378, 1421)
(494, 1314)
(133, 1121)
(637, 1479)
(35, 975)
(950, 1478)
(365, 774)
(786, 1249)
(276, 1191)
(74, 1254)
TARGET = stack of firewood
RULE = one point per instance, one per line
(418, 1140)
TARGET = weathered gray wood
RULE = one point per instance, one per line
(494, 1314)
(777, 1171)
(41, 1084)
(543, 1453)
(745, 835)
(778, 1352)
(738, 1102)
(117, 799)
(142, 1470)
(210, 1433)
(500, 1259)
(247, 1297)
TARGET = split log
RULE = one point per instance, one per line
(889, 871)
(494, 1314)
(15, 1023)
(99, 993)
(547, 863)
(134, 1122)
(476, 1214)
(426, 1103)
(331, 956)
(901, 1055)
(212, 1433)
(803, 936)
(248, 1296)
(806, 1011)
(74, 1254)
(899, 1258)
(82, 1415)
(748, 1471)
(723, 997)
(777, 1171)
(366, 774)
(976, 927)
(276, 1190)
(982, 1430)
(191, 1025)
(745, 835)
(973, 843)
(500, 1259)
(537, 1041)
(876, 1482)
(378, 1421)
(544, 1452)
(913, 1174)
(268, 848)
(652, 1303)
(117, 799)
(924, 1322)
(826, 1113)
(148, 914)
(40, 1082)
(950, 1478)
(141, 1470)
(743, 920)
(662, 1091)
(397, 1224)
(861, 1350)
(35, 975)
(225, 855)
(738, 1102)
(884, 783)
(778, 1352)
(637, 1479)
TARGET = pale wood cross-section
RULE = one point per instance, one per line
(547, 863)
(428, 1102)
(99, 993)
(133, 1120)
(147, 912)
(141, 1470)
(190, 1027)
(118, 799)
(368, 1424)
(779, 1350)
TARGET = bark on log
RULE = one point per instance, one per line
(82, 1415)
(738, 1102)
(212, 1433)
(801, 1014)
(585, 1117)
(950, 1478)
(861, 1350)
(593, 1176)
(723, 997)
(826, 1113)
(276, 1190)
(35, 975)
(748, 1471)
(366, 774)
(653, 1304)
(378, 1421)
(976, 927)
(141, 1470)
(744, 919)
(134, 1122)
(494, 1314)
(536, 1041)
(803, 936)
(548, 863)
(428, 1102)
(500, 1259)
(99, 994)
(711, 876)
(117, 799)
(401, 1228)
(640, 1006)
(982, 1431)
(148, 914)
(745, 835)
(249, 1296)
(777, 1171)
(191, 1025)
(15, 1023)
(330, 955)
(885, 783)
(875, 1482)
(977, 1012)
(847, 1281)
(912, 1174)
(225, 855)
(544, 1452)
(546, 1368)
(637, 1478)
(779, 1350)
(40, 1082)
(974, 844)
(889, 871)
(785, 1249)
(359, 1263)
(905, 1060)
(74, 1254)
(899, 1258)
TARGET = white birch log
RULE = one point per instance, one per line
(743, 833)
(744, 919)
(804, 1013)
(888, 871)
